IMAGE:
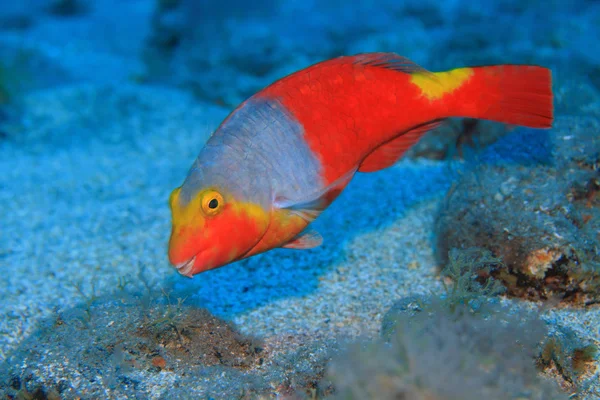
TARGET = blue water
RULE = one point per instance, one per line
(104, 105)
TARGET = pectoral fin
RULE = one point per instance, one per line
(305, 240)
(312, 204)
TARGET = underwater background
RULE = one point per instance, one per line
(468, 270)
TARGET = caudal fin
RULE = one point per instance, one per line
(512, 94)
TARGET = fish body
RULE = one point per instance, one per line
(280, 158)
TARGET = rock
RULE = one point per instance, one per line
(127, 342)
(430, 352)
(67, 8)
(212, 50)
(537, 207)
(568, 358)
(193, 336)
(18, 15)
(23, 70)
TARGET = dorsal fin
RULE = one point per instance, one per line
(388, 153)
(390, 61)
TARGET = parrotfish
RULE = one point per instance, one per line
(284, 155)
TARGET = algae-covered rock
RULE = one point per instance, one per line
(195, 336)
(67, 8)
(536, 206)
(432, 352)
(22, 70)
(568, 358)
(15, 16)
(222, 52)
(133, 345)
(114, 345)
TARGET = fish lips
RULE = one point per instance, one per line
(186, 268)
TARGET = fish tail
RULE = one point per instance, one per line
(512, 94)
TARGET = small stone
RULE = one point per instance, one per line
(508, 186)
(159, 362)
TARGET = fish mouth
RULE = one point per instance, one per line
(185, 268)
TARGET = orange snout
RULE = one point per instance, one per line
(202, 242)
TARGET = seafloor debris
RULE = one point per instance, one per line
(536, 207)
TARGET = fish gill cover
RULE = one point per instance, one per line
(479, 248)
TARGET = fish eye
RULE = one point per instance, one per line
(212, 202)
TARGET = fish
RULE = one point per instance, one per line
(286, 153)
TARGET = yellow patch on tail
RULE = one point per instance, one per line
(441, 83)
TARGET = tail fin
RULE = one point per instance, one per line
(512, 94)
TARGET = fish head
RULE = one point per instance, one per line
(212, 229)
(220, 212)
